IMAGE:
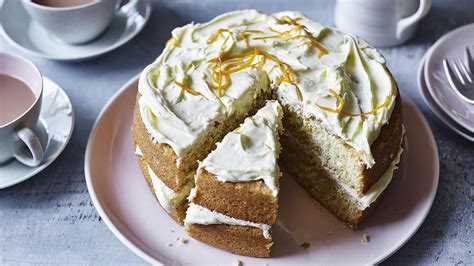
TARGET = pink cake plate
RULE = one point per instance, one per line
(125, 203)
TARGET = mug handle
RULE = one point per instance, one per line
(405, 23)
(121, 3)
(35, 155)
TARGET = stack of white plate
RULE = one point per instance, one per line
(433, 83)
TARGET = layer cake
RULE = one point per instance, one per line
(342, 121)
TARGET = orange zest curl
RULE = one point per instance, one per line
(340, 105)
(308, 36)
(187, 89)
(218, 33)
(214, 37)
(261, 63)
(287, 74)
(273, 30)
(386, 103)
(173, 41)
(288, 77)
(285, 35)
(224, 66)
(288, 20)
(232, 68)
(244, 34)
(221, 51)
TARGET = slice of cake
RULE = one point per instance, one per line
(183, 109)
(234, 203)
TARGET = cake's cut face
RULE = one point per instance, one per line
(343, 122)
(237, 186)
(305, 164)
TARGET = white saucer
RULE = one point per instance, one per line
(452, 44)
(28, 36)
(54, 129)
(123, 200)
(435, 109)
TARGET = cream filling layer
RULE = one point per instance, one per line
(376, 189)
(251, 151)
(348, 88)
(197, 214)
(138, 151)
(168, 198)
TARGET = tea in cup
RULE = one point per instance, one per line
(21, 90)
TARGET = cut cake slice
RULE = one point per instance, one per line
(234, 203)
(169, 175)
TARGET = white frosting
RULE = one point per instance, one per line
(192, 194)
(376, 189)
(250, 152)
(351, 69)
(138, 151)
(197, 214)
(178, 118)
(168, 198)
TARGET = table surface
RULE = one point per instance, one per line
(50, 217)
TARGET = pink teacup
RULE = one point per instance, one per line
(19, 110)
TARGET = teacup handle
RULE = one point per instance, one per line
(405, 23)
(121, 3)
(35, 155)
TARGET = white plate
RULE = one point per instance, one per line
(123, 200)
(430, 102)
(450, 45)
(56, 123)
(26, 35)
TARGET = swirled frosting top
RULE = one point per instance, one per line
(207, 71)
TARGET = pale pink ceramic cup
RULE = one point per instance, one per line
(18, 138)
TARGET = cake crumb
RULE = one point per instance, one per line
(365, 239)
(170, 244)
(305, 245)
(238, 263)
(182, 240)
(172, 231)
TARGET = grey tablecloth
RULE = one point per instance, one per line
(50, 218)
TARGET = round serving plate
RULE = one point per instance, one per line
(434, 107)
(125, 203)
(451, 45)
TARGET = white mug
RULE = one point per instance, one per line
(18, 138)
(76, 24)
(382, 23)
